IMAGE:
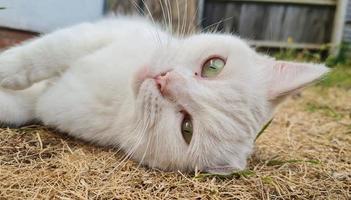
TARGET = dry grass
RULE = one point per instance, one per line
(304, 154)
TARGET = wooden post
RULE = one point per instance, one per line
(339, 24)
(200, 14)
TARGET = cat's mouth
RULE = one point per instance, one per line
(147, 85)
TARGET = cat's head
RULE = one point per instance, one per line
(201, 101)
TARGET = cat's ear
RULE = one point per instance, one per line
(286, 77)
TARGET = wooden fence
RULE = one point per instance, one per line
(304, 24)
(273, 24)
(265, 23)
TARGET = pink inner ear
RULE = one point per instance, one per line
(287, 77)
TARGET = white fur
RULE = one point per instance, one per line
(102, 90)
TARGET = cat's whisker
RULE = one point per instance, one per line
(178, 17)
(169, 16)
(142, 13)
(120, 162)
(163, 20)
(152, 19)
(146, 151)
(130, 153)
(165, 17)
(194, 27)
(185, 19)
(148, 11)
(216, 29)
(125, 158)
(215, 25)
(156, 149)
(189, 25)
(148, 118)
(138, 8)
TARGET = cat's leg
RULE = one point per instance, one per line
(49, 55)
(18, 107)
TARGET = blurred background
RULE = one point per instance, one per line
(304, 154)
(320, 29)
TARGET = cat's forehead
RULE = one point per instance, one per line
(225, 43)
(198, 47)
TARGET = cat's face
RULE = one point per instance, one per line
(200, 102)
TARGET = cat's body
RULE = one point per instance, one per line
(127, 83)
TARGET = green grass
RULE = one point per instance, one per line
(275, 162)
(239, 174)
(325, 109)
(340, 76)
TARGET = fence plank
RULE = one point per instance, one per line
(272, 22)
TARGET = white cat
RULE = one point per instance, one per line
(171, 103)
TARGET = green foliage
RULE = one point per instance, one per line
(342, 58)
(305, 55)
(267, 180)
(301, 55)
(264, 128)
(340, 76)
(325, 109)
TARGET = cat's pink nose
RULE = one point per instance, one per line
(161, 81)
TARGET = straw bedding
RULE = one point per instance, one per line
(304, 154)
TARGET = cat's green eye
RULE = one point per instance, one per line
(187, 129)
(212, 67)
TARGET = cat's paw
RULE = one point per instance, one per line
(13, 73)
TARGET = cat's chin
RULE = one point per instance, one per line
(148, 86)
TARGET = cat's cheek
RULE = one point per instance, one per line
(176, 85)
(139, 77)
(170, 92)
